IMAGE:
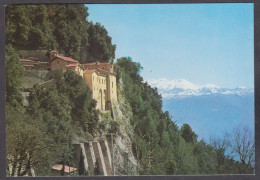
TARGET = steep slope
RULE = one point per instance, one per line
(114, 139)
(125, 161)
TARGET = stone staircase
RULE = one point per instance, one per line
(92, 153)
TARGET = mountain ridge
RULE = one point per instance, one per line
(182, 88)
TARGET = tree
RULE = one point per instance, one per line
(83, 112)
(54, 112)
(100, 47)
(69, 28)
(242, 144)
(29, 144)
(18, 25)
(97, 170)
(221, 147)
(61, 27)
(82, 171)
(40, 35)
(14, 75)
(155, 134)
(187, 134)
(27, 27)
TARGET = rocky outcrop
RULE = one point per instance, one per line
(124, 160)
(112, 151)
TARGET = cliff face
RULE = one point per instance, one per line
(125, 162)
(111, 148)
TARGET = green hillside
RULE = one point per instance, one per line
(45, 130)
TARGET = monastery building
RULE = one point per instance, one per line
(100, 77)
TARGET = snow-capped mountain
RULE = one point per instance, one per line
(209, 109)
(182, 88)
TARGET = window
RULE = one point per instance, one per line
(112, 84)
(93, 78)
(58, 62)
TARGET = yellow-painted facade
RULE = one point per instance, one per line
(103, 86)
(112, 87)
(100, 77)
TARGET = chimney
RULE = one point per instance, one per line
(53, 54)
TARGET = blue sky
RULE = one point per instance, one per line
(202, 43)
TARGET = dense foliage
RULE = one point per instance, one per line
(66, 109)
(160, 146)
(42, 134)
(14, 74)
(61, 27)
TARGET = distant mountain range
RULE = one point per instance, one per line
(208, 109)
(183, 88)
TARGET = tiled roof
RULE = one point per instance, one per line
(89, 64)
(105, 71)
(65, 59)
(89, 71)
(72, 65)
(67, 169)
(96, 63)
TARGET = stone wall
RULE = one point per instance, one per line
(33, 77)
(42, 55)
(93, 152)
